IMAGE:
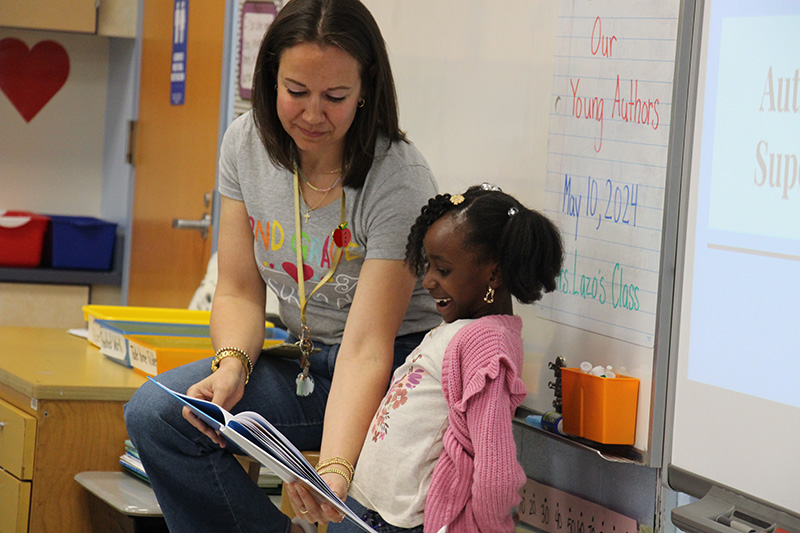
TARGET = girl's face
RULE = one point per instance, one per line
(318, 93)
(456, 277)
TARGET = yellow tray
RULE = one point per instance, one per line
(140, 314)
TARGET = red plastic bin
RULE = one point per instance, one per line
(21, 238)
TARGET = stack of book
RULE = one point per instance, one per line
(131, 463)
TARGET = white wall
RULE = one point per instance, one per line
(474, 81)
(54, 163)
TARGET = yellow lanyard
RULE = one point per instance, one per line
(305, 384)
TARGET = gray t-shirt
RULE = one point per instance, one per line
(380, 215)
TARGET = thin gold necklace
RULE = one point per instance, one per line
(334, 184)
(307, 214)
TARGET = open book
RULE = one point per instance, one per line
(253, 435)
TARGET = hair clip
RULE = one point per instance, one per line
(513, 211)
(489, 187)
(456, 199)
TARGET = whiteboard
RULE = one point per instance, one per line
(477, 90)
(736, 418)
(606, 164)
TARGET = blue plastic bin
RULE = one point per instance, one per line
(83, 243)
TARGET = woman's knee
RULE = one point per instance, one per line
(151, 408)
(143, 412)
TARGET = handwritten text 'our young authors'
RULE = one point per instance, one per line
(627, 106)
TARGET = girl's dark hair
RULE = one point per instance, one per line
(348, 25)
(525, 244)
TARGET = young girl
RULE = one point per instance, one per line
(440, 449)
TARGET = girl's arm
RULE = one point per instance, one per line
(497, 476)
(237, 316)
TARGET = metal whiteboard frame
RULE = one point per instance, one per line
(697, 516)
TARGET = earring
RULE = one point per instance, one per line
(361, 102)
(489, 298)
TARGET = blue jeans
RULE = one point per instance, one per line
(200, 486)
(371, 518)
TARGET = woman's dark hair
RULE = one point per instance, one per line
(525, 244)
(349, 26)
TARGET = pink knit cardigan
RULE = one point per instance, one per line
(477, 478)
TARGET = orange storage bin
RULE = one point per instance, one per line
(597, 408)
(155, 354)
(21, 238)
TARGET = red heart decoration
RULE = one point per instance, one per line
(291, 269)
(30, 78)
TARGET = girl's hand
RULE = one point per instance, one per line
(224, 387)
(306, 507)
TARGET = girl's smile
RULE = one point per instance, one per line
(456, 278)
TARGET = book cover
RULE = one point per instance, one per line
(254, 436)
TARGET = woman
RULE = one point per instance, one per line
(321, 151)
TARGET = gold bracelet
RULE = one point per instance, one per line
(337, 461)
(337, 471)
(231, 351)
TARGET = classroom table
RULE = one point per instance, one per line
(61, 403)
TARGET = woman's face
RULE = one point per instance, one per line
(318, 94)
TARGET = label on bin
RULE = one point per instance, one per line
(143, 358)
(114, 346)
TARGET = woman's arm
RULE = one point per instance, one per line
(237, 316)
(363, 369)
(364, 363)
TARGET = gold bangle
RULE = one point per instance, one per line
(337, 461)
(241, 352)
(336, 471)
(230, 351)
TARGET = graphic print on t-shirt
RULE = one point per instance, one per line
(394, 399)
(280, 250)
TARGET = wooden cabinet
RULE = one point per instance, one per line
(17, 437)
(15, 501)
(61, 409)
(113, 18)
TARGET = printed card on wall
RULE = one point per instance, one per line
(607, 158)
(256, 18)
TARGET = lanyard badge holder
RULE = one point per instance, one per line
(341, 238)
